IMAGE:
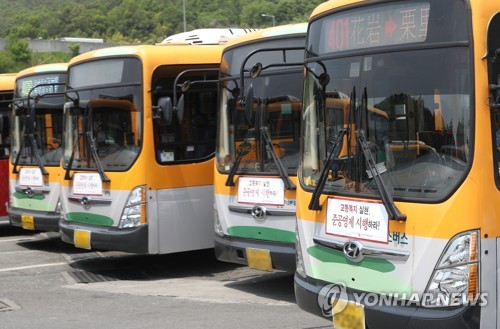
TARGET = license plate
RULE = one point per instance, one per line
(259, 259)
(81, 239)
(27, 222)
(351, 317)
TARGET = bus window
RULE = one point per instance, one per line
(190, 138)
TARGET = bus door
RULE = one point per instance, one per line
(5, 101)
(184, 137)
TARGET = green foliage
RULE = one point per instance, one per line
(140, 21)
(128, 21)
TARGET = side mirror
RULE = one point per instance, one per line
(249, 103)
(180, 109)
(255, 70)
(166, 109)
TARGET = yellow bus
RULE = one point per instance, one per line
(398, 211)
(138, 148)
(36, 121)
(257, 152)
(7, 81)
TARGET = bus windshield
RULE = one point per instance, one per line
(103, 115)
(275, 117)
(37, 113)
(412, 104)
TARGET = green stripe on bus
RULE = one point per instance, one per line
(22, 196)
(86, 218)
(327, 255)
(262, 233)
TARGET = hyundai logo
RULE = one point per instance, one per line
(85, 202)
(353, 250)
(29, 192)
(259, 212)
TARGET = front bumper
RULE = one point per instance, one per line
(44, 221)
(133, 240)
(233, 250)
(391, 316)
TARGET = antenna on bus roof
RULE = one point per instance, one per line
(212, 36)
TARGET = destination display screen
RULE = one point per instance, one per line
(375, 26)
(44, 81)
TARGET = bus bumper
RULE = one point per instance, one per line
(132, 240)
(233, 250)
(43, 221)
(395, 316)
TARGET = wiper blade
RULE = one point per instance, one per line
(320, 185)
(91, 143)
(242, 150)
(98, 163)
(29, 125)
(289, 185)
(392, 210)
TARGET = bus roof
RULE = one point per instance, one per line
(212, 36)
(7, 81)
(325, 6)
(282, 30)
(160, 54)
(55, 67)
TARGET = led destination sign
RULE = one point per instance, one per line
(375, 26)
(25, 85)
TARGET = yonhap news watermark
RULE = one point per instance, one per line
(333, 298)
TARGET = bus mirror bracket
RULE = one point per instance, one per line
(249, 103)
(165, 109)
(179, 109)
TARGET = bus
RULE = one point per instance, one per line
(6, 93)
(398, 201)
(36, 123)
(138, 148)
(257, 155)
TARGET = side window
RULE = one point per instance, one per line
(191, 136)
(493, 43)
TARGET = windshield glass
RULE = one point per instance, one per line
(106, 115)
(417, 117)
(277, 100)
(45, 125)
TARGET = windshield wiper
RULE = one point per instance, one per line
(320, 185)
(392, 210)
(243, 149)
(289, 185)
(90, 142)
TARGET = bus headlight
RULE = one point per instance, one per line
(134, 212)
(299, 260)
(217, 226)
(58, 207)
(454, 281)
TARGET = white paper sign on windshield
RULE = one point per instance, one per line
(30, 177)
(364, 220)
(261, 190)
(87, 184)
